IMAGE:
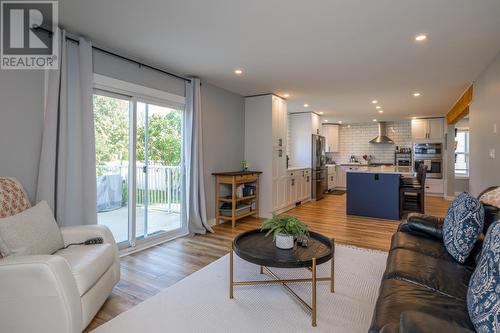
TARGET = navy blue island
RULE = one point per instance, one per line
(374, 191)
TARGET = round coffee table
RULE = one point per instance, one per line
(253, 246)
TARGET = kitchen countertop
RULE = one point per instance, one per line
(401, 170)
(294, 168)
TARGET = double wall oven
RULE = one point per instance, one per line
(429, 154)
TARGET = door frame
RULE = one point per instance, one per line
(140, 94)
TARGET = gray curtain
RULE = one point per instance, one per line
(67, 178)
(194, 200)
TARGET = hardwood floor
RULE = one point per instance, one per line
(145, 273)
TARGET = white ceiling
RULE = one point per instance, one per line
(335, 55)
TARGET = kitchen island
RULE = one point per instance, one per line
(373, 191)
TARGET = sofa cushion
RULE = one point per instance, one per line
(396, 297)
(441, 276)
(88, 263)
(419, 322)
(431, 247)
(462, 226)
(13, 198)
(483, 297)
(491, 198)
(31, 232)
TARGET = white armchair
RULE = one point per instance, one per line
(60, 292)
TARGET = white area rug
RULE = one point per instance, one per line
(200, 302)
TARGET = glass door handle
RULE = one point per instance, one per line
(144, 169)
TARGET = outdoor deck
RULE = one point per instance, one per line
(158, 220)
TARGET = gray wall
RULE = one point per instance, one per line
(21, 121)
(124, 70)
(484, 114)
(461, 185)
(223, 136)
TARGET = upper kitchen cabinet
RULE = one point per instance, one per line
(302, 126)
(331, 133)
(265, 148)
(427, 129)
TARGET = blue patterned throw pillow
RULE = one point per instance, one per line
(483, 295)
(462, 226)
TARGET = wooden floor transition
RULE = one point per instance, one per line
(145, 273)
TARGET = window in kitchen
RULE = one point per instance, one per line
(462, 153)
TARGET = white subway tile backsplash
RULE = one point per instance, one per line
(355, 140)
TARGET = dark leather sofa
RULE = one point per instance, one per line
(423, 288)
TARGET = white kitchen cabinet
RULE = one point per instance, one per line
(302, 126)
(434, 186)
(298, 187)
(436, 128)
(265, 148)
(331, 133)
(427, 129)
(332, 177)
(305, 185)
(341, 179)
(316, 124)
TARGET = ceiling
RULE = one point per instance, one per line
(337, 56)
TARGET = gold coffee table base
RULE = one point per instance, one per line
(284, 283)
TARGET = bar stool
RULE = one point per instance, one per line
(412, 196)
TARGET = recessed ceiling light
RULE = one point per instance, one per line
(420, 38)
(414, 118)
(340, 121)
(238, 71)
(380, 111)
(286, 95)
(320, 112)
(374, 120)
(326, 120)
(306, 105)
(374, 101)
(378, 107)
(416, 94)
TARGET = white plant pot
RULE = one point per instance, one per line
(284, 242)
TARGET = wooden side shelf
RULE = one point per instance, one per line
(231, 180)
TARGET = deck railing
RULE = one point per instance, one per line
(163, 184)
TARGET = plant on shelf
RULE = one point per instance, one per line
(285, 230)
(244, 165)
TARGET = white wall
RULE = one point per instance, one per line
(223, 123)
(21, 120)
(484, 114)
(355, 140)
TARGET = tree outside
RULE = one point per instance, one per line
(112, 131)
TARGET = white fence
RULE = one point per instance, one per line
(163, 184)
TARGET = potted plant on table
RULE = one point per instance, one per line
(285, 230)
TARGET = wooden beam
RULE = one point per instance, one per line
(461, 107)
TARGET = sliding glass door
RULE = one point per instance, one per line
(112, 115)
(158, 165)
(139, 167)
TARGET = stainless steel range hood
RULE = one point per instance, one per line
(382, 137)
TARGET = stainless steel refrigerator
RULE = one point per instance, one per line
(319, 169)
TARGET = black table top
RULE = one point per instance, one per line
(253, 246)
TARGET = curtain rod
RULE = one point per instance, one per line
(120, 56)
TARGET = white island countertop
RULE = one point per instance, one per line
(390, 169)
(295, 168)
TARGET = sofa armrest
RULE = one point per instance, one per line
(81, 233)
(419, 322)
(38, 294)
(425, 224)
